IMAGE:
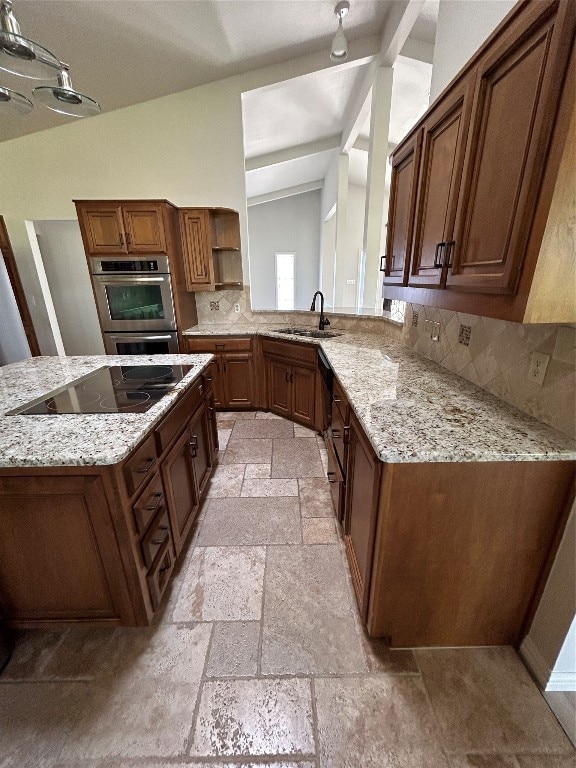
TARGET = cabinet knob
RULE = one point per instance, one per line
(331, 477)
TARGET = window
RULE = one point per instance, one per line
(285, 281)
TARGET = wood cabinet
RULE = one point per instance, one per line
(403, 188)
(211, 248)
(98, 544)
(291, 375)
(444, 141)
(232, 371)
(337, 441)
(517, 93)
(494, 146)
(361, 511)
(123, 227)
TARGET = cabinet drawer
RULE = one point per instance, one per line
(219, 344)
(337, 433)
(336, 480)
(140, 465)
(149, 504)
(159, 575)
(299, 352)
(179, 415)
(157, 536)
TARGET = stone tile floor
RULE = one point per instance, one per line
(258, 657)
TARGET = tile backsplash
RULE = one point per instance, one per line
(496, 355)
(225, 314)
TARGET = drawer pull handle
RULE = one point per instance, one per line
(336, 433)
(448, 253)
(160, 541)
(209, 378)
(220, 346)
(330, 476)
(336, 399)
(147, 466)
(346, 435)
(194, 446)
(154, 507)
(164, 569)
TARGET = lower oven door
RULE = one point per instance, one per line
(141, 343)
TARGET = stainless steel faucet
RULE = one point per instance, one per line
(323, 320)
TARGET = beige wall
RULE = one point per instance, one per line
(187, 148)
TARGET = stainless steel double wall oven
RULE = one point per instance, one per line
(135, 304)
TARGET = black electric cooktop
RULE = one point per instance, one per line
(110, 389)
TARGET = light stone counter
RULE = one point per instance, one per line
(76, 439)
(413, 410)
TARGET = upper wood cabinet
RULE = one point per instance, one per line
(444, 141)
(517, 94)
(493, 148)
(211, 248)
(123, 227)
(405, 166)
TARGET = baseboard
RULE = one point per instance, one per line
(562, 681)
(536, 662)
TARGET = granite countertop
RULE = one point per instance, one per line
(413, 410)
(76, 439)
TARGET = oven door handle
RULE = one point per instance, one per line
(124, 280)
(138, 337)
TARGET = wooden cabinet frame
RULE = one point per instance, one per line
(84, 556)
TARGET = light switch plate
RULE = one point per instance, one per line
(236, 307)
(538, 364)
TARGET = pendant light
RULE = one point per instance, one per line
(19, 55)
(12, 103)
(339, 50)
(64, 99)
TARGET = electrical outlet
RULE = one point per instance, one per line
(350, 282)
(236, 307)
(434, 327)
(538, 365)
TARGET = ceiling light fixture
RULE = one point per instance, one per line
(19, 55)
(64, 99)
(339, 50)
(12, 103)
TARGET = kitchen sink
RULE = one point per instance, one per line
(310, 334)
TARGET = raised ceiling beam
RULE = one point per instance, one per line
(360, 52)
(299, 189)
(399, 22)
(418, 50)
(363, 145)
(293, 153)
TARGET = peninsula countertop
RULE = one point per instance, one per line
(413, 410)
(77, 439)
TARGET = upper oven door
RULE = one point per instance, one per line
(134, 302)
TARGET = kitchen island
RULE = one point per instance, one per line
(95, 508)
(452, 502)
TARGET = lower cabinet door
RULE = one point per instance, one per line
(303, 395)
(216, 373)
(180, 486)
(238, 380)
(279, 387)
(200, 448)
(363, 484)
